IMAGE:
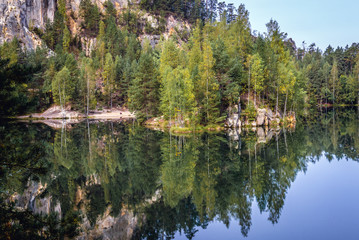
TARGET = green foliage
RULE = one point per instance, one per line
(66, 39)
(250, 112)
(87, 84)
(143, 91)
(91, 16)
(130, 20)
(108, 75)
(20, 81)
(60, 87)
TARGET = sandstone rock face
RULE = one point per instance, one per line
(88, 45)
(233, 121)
(18, 17)
(261, 116)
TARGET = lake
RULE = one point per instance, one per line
(116, 180)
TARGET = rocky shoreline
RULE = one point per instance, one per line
(264, 117)
(56, 112)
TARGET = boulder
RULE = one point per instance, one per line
(233, 121)
(261, 114)
(18, 18)
(269, 114)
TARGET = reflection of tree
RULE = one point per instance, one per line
(163, 221)
(189, 180)
(207, 170)
(24, 155)
(179, 160)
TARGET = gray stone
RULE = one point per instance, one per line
(261, 113)
(269, 114)
(18, 17)
(233, 121)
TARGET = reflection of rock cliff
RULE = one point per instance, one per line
(106, 226)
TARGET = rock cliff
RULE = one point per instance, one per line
(19, 17)
(23, 18)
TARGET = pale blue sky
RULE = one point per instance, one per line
(322, 22)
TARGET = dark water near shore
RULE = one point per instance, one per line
(127, 182)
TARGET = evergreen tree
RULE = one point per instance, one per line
(108, 76)
(66, 39)
(143, 92)
(334, 81)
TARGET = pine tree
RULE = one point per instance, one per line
(66, 39)
(108, 76)
(143, 92)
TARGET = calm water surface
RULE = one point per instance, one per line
(118, 181)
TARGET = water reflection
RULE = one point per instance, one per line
(117, 180)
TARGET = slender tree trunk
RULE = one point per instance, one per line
(239, 112)
(88, 96)
(255, 92)
(285, 104)
(207, 97)
(111, 99)
(62, 109)
(285, 140)
(326, 89)
(249, 165)
(333, 90)
(249, 82)
(89, 139)
(276, 105)
(64, 95)
(276, 139)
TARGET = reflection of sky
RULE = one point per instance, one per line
(322, 203)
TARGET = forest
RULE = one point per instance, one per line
(194, 77)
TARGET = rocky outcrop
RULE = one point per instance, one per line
(23, 19)
(264, 117)
(56, 112)
(261, 116)
(19, 17)
(233, 121)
